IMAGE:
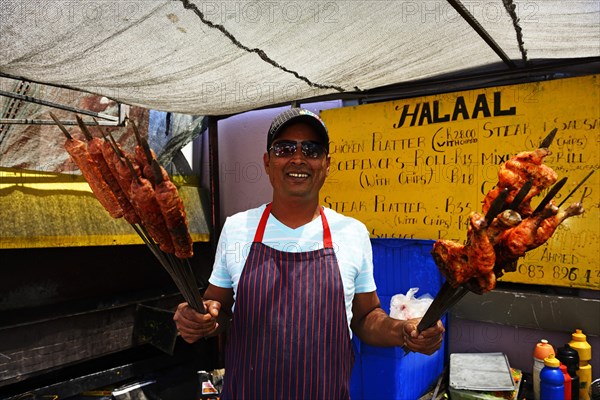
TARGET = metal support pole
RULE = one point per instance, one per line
(59, 106)
(28, 121)
(213, 170)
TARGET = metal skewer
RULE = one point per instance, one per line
(61, 127)
(446, 298)
(551, 193)
(547, 141)
(497, 206)
(577, 187)
(83, 128)
(174, 268)
(142, 142)
(520, 196)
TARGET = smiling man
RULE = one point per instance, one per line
(293, 281)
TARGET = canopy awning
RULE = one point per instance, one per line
(218, 58)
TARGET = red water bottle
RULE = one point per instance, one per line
(570, 358)
(568, 381)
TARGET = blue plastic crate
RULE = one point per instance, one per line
(388, 373)
(400, 264)
(392, 375)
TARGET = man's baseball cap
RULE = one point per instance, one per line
(296, 115)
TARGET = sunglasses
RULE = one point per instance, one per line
(287, 148)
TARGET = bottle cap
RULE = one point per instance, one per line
(581, 346)
(578, 336)
(550, 361)
(543, 349)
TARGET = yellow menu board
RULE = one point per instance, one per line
(416, 168)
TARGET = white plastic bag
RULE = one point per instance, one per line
(408, 306)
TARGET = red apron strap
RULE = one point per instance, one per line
(260, 231)
(327, 243)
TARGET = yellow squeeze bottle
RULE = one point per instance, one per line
(583, 348)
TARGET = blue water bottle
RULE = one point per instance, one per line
(552, 381)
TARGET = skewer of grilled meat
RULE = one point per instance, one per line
(127, 169)
(475, 260)
(173, 212)
(95, 148)
(533, 231)
(145, 164)
(536, 229)
(513, 174)
(145, 155)
(79, 153)
(510, 238)
(114, 156)
(142, 161)
(474, 265)
(482, 255)
(513, 232)
(144, 200)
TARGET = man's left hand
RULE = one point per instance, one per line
(427, 342)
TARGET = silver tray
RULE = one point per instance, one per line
(480, 371)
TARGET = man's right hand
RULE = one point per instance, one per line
(193, 325)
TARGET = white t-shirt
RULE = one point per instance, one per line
(350, 239)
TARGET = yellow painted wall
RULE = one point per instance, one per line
(39, 209)
(416, 168)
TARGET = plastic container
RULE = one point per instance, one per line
(388, 373)
(570, 358)
(583, 348)
(542, 350)
(552, 381)
(568, 381)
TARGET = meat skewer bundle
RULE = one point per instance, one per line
(156, 213)
(493, 248)
(509, 229)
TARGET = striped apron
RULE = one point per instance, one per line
(289, 337)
